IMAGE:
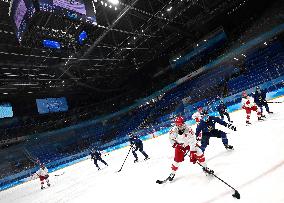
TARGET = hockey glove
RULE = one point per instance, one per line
(181, 131)
(133, 147)
(175, 145)
(230, 126)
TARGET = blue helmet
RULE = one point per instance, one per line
(205, 116)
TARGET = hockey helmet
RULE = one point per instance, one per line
(205, 115)
(199, 108)
(179, 121)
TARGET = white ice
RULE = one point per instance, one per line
(255, 168)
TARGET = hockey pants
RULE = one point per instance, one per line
(214, 133)
(261, 105)
(140, 148)
(195, 154)
(101, 160)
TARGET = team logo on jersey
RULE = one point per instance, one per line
(210, 128)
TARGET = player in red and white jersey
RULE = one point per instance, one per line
(184, 141)
(42, 173)
(248, 105)
(197, 116)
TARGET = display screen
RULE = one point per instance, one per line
(51, 44)
(6, 110)
(73, 5)
(82, 37)
(50, 105)
(82, 10)
(21, 11)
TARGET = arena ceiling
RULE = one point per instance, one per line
(125, 41)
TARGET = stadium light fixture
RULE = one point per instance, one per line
(114, 2)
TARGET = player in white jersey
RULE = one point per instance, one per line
(42, 173)
(248, 105)
(184, 141)
(197, 116)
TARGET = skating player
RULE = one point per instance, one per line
(260, 100)
(207, 127)
(222, 109)
(43, 176)
(197, 116)
(97, 156)
(137, 144)
(248, 105)
(184, 142)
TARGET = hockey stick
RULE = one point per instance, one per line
(235, 195)
(271, 102)
(60, 174)
(124, 160)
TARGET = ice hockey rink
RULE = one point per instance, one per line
(255, 168)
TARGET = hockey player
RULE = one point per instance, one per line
(42, 173)
(97, 156)
(137, 144)
(222, 109)
(207, 127)
(198, 115)
(183, 140)
(248, 105)
(260, 100)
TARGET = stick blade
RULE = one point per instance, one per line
(159, 181)
(236, 195)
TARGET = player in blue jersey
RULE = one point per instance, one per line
(260, 100)
(137, 144)
(97, 156)
(222, 109)
(207, 127)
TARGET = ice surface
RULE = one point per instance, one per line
(255, 168)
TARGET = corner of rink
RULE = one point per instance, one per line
(255, 168)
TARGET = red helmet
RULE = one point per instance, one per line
(179, 121)
(199, 108)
